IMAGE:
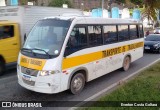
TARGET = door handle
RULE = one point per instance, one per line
(14, 43)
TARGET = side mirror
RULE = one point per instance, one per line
(25, 37)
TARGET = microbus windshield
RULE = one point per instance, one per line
(46, 38)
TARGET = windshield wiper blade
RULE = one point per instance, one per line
(26, 49)
(43, 51)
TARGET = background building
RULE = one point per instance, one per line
(91, 4)
(2, 3)
(35, 2)
(79, 4)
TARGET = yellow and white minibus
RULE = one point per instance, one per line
(63, 53)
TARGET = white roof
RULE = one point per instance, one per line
(95, 20)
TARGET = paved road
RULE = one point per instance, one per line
(10, 90)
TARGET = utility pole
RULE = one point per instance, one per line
(109, 7)
(102, 7)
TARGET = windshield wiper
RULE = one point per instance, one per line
(31, 51)
(26, 49)
(43, 51)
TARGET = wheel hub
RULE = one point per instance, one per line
(77, 84)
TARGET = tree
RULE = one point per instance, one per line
(129, 4)
(137, 2)
(120, 1)
(24, 2)
(151, 8)
(59, 3)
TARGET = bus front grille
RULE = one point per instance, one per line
(29, 71)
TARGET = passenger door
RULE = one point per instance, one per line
(9, 42)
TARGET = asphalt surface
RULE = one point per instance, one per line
(10, 90)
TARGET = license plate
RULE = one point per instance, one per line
(147, 47)
(28, 78)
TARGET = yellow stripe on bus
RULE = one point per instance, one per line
(86, 58)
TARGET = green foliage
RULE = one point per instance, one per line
(23, 2)
(59, 3)
(121, 1)
(145, 87)
(137, 2)
(151, 9)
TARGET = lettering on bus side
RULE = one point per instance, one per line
(114, 51)
(130, 47)
(111, 52)
(134, 46)
(104, 53)
(124, 49)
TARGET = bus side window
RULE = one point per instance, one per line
(123, 33)
(133, 32)
(141, 33)
(110, 34)
(77, 40)
(95, 35)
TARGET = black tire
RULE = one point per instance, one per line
(2, 68)
(158, 51)
(126, 63)
(77, 83)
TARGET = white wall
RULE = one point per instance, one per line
(2, 3)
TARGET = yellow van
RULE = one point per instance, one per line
(9, 44)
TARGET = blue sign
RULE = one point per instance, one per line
(115, 12)
(14, 2)
(97, 12)
(136, 14)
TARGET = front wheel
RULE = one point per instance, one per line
(77, 83)
(126, 63)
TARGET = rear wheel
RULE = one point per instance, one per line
(2, 68)
(126, 63)
(77, 83)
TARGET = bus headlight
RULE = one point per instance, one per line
(47, 73)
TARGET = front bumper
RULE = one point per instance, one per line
(45, 84)
(151, 49)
